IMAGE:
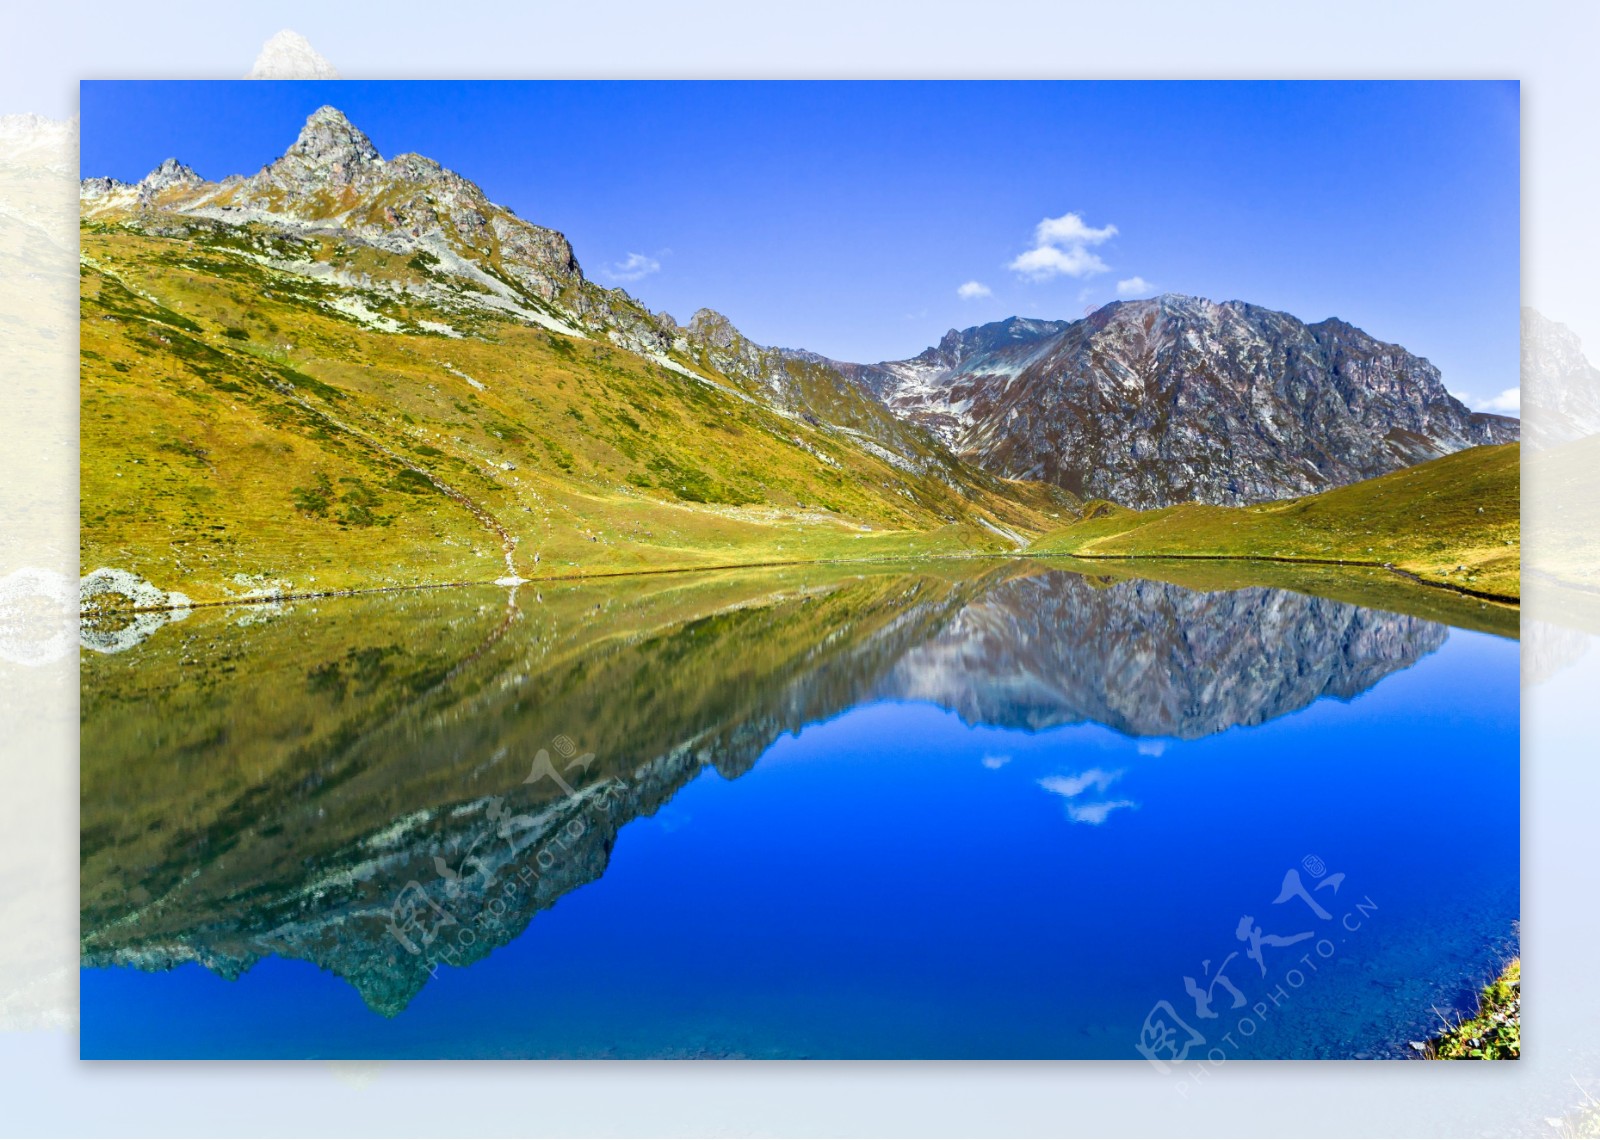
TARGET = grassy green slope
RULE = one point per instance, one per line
(1453, 521)
(240, 433)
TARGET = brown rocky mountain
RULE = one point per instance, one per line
(1178, 399)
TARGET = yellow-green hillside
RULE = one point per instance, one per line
(247, 430)
(1453, 521)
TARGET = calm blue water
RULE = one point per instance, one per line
(891, 881)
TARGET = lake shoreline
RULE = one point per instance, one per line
(270, 599)
(1493, 1016)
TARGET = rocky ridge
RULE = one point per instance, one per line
(1177, 399)
(477, 255)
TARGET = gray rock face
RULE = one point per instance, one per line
(169, 174)
(813, 388)
(1560, 388)
(331, 151)
(1175, 399)
(333, 181)
(90, 188)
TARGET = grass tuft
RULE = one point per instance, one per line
(1495, 1033)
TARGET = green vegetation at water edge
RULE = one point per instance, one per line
(1495, 1032)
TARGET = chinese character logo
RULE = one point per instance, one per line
(1165, 1036)
(414, 916)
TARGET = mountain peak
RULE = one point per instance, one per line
(1163, 303)
(710, 327)
(958, 345)
(329, 114)
(329, 145)
(1101, 406)
(170, 173)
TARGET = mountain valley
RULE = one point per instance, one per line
(350, 372)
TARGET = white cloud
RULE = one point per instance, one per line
(1152, 747)
(1069, 229)
(1133, 287)
(1061, 249)
(974, 289)
(1096, 814)
(632, 268)
(1508, 402)
(1046, 261)
(992, 761)
(1069, 786)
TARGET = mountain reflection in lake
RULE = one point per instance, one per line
(964, 810)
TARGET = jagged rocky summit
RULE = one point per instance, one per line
(333, 182)
(1175, 399)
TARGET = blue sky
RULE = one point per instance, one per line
(847, 217)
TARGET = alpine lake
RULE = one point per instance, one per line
(967, 808)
